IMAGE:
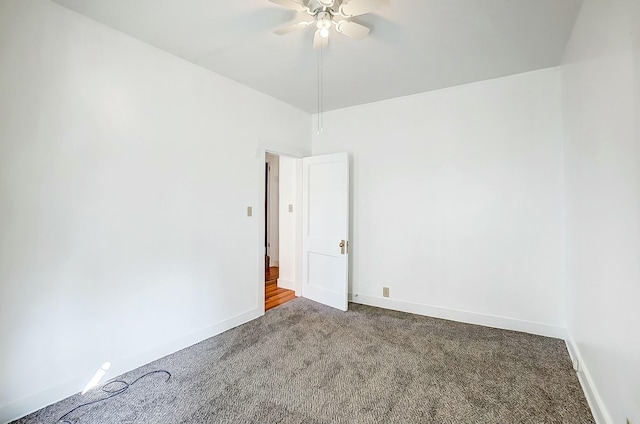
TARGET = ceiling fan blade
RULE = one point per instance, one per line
(298, 6)
(352, 29)
(351, 8)
(319, 41)
(286, 29)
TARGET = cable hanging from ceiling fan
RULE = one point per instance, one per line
(320, 92)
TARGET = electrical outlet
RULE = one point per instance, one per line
(385, 292)
(290, 208)
(628, 421)
(249, 211)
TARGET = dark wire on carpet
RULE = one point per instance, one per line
(107, 388)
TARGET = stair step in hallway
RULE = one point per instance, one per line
(274, 295)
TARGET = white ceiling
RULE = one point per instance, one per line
(414, 45)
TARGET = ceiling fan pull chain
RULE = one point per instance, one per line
(320, 92)
(322, 88)
(319, 77)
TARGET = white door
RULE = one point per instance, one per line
(325, 229)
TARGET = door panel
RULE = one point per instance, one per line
(325, 224)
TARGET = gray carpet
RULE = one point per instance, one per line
(306, 363)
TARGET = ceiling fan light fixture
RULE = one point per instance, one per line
(328, 13)
(323, 23)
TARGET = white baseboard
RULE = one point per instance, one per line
(598, 409)
(29, 404)
(537, 328)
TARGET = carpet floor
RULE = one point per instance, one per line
(306, 363)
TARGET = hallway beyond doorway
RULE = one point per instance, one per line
(274, 295)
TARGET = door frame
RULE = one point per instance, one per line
(264, 147)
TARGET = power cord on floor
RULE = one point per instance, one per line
(112, 392)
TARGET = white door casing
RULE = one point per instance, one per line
(325, 229)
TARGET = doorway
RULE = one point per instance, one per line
(277, 226)
(313, 225)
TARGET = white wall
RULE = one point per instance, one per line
(458, 201)
(601, 102)
(289, 223)
(125, 174)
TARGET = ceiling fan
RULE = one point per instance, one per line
(328, 13)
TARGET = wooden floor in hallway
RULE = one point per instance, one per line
(274, 295)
